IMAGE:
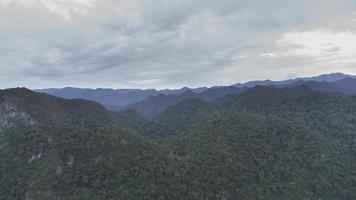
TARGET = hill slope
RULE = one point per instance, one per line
(242, 156)
(131, 119)
(154, 106)
(330, 114)
(70, 149)
(297, 144)
(47, 109)
(177, 118)
(345, 86)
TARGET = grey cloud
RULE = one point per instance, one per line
(163, 43)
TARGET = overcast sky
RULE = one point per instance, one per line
(172, 43)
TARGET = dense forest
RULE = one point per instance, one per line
(258, 142)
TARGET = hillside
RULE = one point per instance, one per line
(332, 117)
(327, 113)
(131, 119)
(153, 106)
(45, 109)
(331, 114)
(177, 118)
(345, 86)
(259, 143)
(71, 149)
(84, 164)
(242, 156)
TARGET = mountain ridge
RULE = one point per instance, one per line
(119, 99)
(265, 142)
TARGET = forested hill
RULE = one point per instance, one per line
(243, 156)
(44, 108)
(52, 148)
(300, 103)
(266, 142)
(330, 117)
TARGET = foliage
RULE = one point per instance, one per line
(263, 143)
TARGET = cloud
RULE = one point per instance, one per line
(323, 46)
(159, 43)
(64, 8)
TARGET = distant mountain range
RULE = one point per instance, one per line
(150, 103)
(322, 78)
(114, 99)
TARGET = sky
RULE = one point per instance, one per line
(172, 43)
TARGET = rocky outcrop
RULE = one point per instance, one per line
(10, 116)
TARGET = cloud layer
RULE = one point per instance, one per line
(159, 43)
